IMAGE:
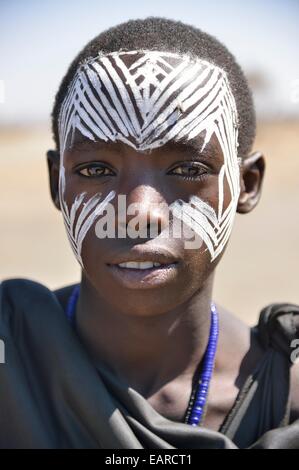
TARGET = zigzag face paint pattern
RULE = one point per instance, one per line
(82, 215)
(148, 98)
(157, 98)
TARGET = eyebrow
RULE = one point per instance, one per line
(192, 146)
(85, 142)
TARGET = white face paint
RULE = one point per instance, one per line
(146, 99)
(78, 223)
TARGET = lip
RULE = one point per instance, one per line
(144, 278)
(143, 253)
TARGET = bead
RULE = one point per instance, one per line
(207, 372)
(195, 419)
(197, 409)
(200, 402)
(71, 305)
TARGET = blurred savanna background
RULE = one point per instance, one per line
(37, 42)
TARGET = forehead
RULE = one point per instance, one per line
(146, 99)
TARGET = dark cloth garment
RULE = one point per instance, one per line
(53, 396)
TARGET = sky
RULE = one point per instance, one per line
(39, 38)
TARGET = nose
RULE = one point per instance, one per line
(143, 212)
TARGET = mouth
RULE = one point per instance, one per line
(144, 270)
(140, 265)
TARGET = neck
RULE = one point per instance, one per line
(145, 352)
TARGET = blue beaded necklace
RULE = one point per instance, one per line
(198, 400)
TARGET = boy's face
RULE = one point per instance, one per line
(161, 131)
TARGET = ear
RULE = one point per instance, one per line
(252, 175)
(53, 167)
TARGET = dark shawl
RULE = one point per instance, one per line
(53, 396)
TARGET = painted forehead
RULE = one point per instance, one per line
(146, 99)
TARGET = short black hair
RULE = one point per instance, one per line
(154, 33)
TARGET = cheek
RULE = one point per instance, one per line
(208, 191)
(80, 212)
(71, 187)
(226, 193)
(92, 253)
(216, 192)
(210, 214)
(198, 264)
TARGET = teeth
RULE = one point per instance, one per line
(139, 265)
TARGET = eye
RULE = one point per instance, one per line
(189, 171)
(95, 170)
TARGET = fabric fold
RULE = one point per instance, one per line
(52, 395)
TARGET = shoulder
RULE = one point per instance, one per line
(24, 296)
(11, 287)
(19, 290)
(279, 328)
(31, 316)
(240, 343)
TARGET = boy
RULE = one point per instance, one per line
(153, 125)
